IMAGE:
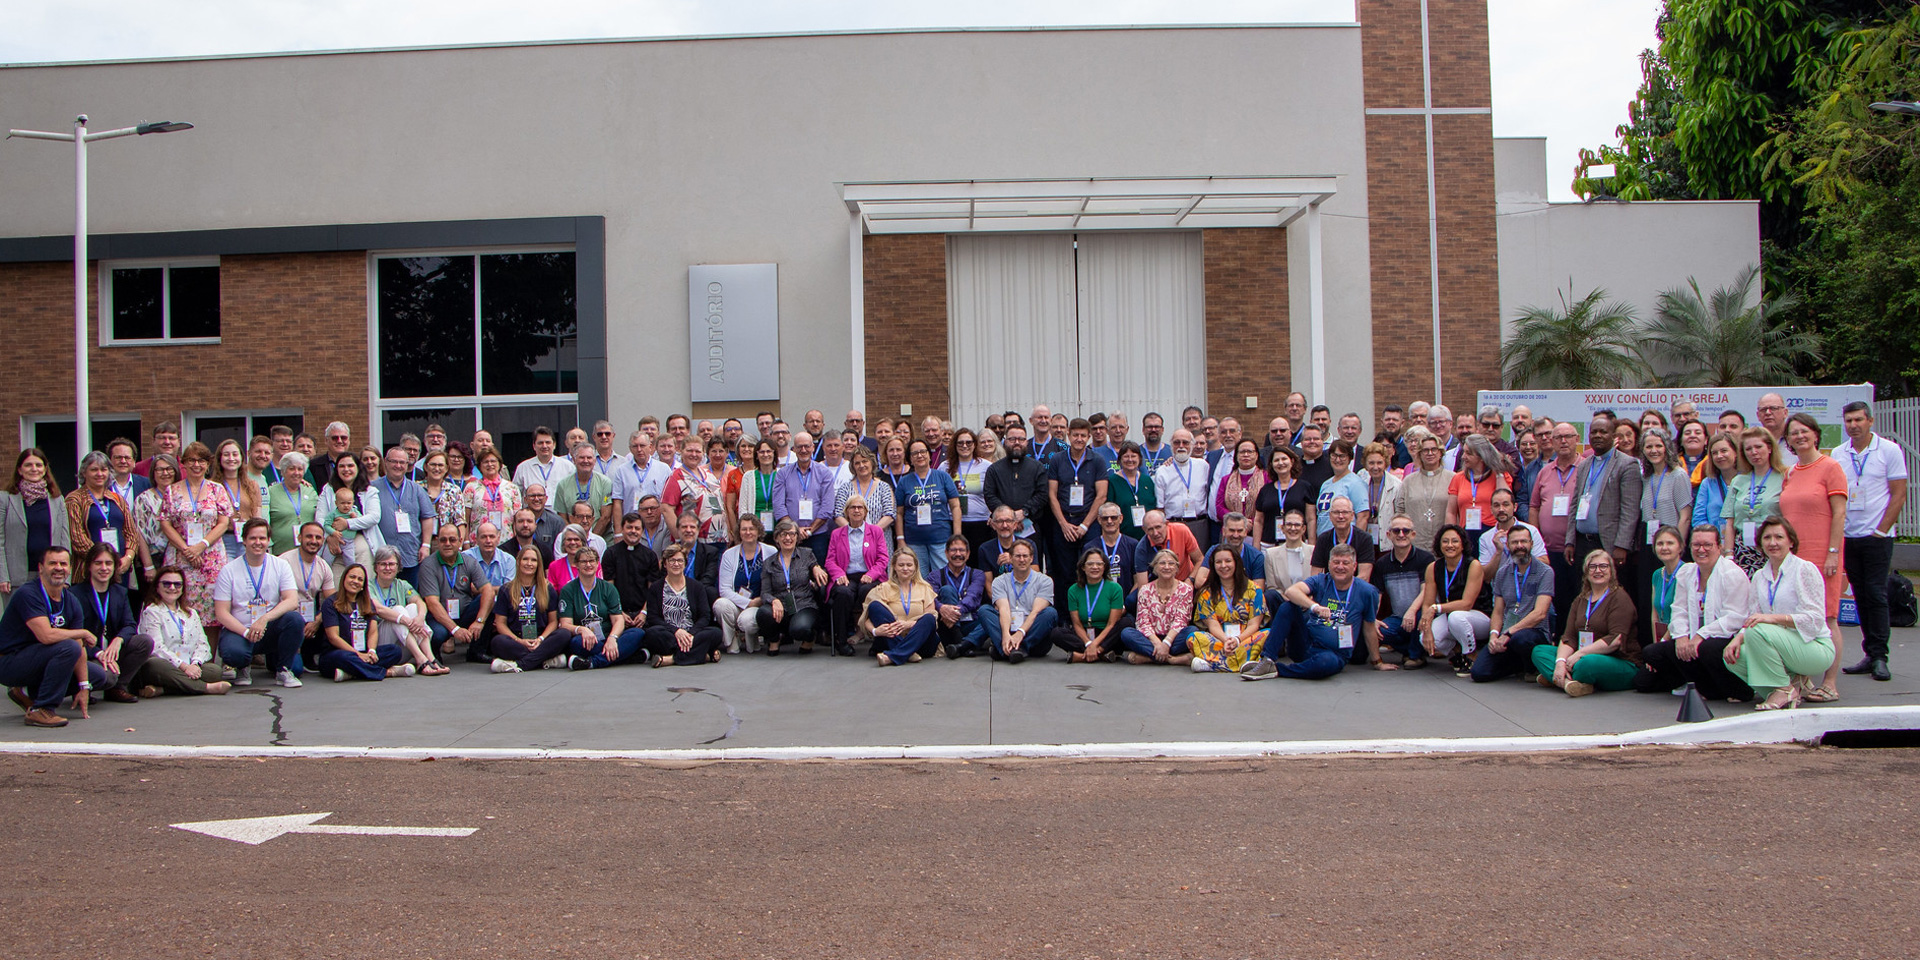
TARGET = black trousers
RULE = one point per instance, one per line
(1867, 561)
(1566, 583)
(796, 626)
(1663, 670)
(513, 648)
(660, 641)
(846, 602)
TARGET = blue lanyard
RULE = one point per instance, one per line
(586, 601)
(1020, 589)
(106, 518)
(1664, 597)
(179, 625)
(1564, 475)
(1451, 574)
(546, 472)
(1342, 602)
(1658, 482)
(1076, 466)
(1092, 597)
(1113, 558)
(1233, 609)
(256, 581)
(1759, 486)
(920, 485)
(1349, 539)
(1186, 475)
(386, 598)
(396, 492)
(306, 573)
(100, 606)
(1596, 601)
(1593, 472)
(1134, 484)
(906, 602)
(1773, 589)
(1520, 578)
(751, 566)
(1859, 461)
(946, 579)
(298, 501)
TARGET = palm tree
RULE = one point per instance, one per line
(1583, 345)
(1722, 341)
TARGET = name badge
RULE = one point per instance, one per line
(1076, 496)
(1139, 515)
(1586, 637)
(1561, 504)
(1653, 527)
(1750, 533)
(766, 519)
(306, 610)
(1586, 506)
(359, 638)
(402, 522)
(973, 482)
(713, 503)
(196, 531)
(1473, 518)
(111, 538)
(923, 514)
(1345, 631)
(453, 608)
(806, 511)
(254, 610)
(1233, 631)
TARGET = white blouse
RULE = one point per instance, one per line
(177, 635)
(1798, 590)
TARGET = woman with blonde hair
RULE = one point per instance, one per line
(900, 612)
(1753, 496)
(526, 623)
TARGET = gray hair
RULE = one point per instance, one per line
(1490, 410)
(1489, 454)
(95, 459)
(575, 529)
(337, 427)
(386, 553)
(294, 462)
(782, 526)
(1440, 409)
(1344, 550)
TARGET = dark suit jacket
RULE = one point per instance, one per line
(700, 598)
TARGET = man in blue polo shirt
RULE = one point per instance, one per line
(407, 515)
(40, 641)
(1340, 625)
(1076, 487)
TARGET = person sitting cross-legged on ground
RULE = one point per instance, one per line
(182, 661)
(1096, 610)
(1599, 648)
(354, 634)
(1711, 600)
(1017, 624)
(1231, 611)
(680, 627)
(590, 609)
(1340, 625)
(900, 613)
(962, 590)
(1163, 616)
(526, 620)
(1522, 608)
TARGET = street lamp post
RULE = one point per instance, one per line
(82, 416)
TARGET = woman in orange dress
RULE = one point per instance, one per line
(1814, 500)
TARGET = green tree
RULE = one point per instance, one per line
(1726, 339)
(1586, 344)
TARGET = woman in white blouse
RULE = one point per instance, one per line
(739, 582)
(969, 473)
(1785, 643)
(181, 662)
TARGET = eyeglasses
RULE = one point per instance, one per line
(173, 584)
(1491, 424)
(1400, 532)
(1772, 408)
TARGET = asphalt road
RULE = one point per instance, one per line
(1739, 852)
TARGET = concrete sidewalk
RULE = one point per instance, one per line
(823, 701)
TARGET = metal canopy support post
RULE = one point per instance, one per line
(1316, 307)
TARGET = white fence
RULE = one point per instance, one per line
(1900, 420)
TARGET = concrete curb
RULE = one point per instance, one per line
(1786, 726)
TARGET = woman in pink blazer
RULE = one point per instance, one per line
(856, 561)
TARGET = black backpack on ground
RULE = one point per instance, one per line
(1902, 609)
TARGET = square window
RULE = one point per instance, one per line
(138, 313)
(149, 302)
(426, 326)
(193, 302)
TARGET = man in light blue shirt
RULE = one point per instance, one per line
(407, 516)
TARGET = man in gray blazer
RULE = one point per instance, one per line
(1606, 502)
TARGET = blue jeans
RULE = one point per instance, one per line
(279, 644)
(45, 669)
(389, 654)
(1408, 642)
(1517, 658)
(1033, 643)
(1133, 641)
(612, 651)
(899, 648)
(1313, 646)
(925, 552)
(964, 633)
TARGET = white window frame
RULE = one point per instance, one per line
(105, 320)
(31, 420)
(477, 400)
(190, 420)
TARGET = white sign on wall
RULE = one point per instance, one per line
(1824, 402)
(733, 331)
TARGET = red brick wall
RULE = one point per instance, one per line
(1397, 202)
(294, 325)
(1249, 342)
(906, 325)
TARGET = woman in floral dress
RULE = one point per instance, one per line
(195, 514)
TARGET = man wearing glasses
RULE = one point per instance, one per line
(1181, 485)
(605, 457)
(856, 422)
(1400, 574)
(1773, 415)
(1490, 426)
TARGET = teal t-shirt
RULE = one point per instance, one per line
(586, 607)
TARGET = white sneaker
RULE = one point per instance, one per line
(1202, 666)
(339, 676)
(408, 670)
(286, 678)
(226, 672)
(241, 678)
(505, 666)
(554, 663)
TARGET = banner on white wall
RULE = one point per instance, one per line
(1824, 403)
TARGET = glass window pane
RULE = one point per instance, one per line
(265, 422)
(426, 326)
(55, 438)
(527, 321)
(136, 304)
(213, 430)
(459, 422)
(512, 427)
(193, 301)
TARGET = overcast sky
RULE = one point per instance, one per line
(1561, 69)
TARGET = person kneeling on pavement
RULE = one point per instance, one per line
(1522, 607)
(42, 645)
(962, 589)
(458, 597)
(1340, 624)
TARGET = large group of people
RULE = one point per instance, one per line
(1637, 553)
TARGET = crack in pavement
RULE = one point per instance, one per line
(279, 730)
(1082, 695)
(732, 728)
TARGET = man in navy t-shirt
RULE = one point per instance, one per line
(40, 641)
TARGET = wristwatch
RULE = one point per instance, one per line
(86, 684)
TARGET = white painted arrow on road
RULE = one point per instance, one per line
(254, 831)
